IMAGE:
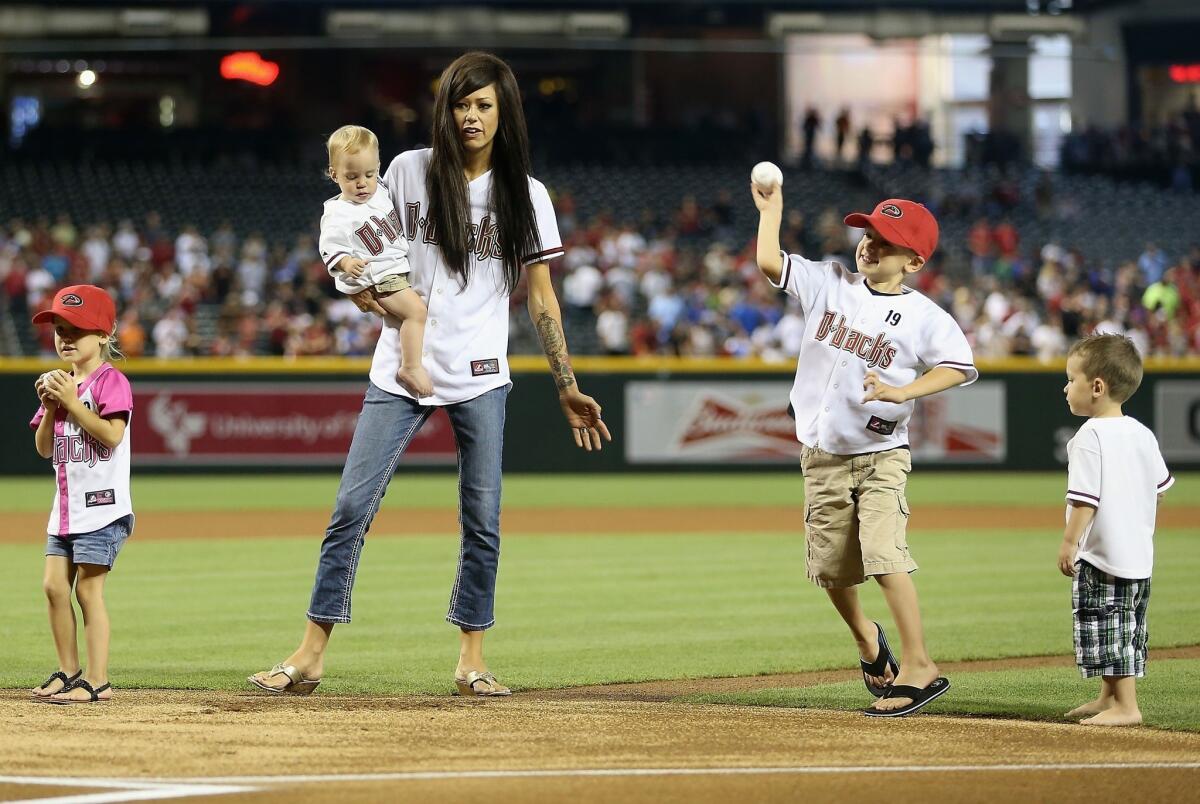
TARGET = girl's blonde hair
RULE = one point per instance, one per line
(350, 139)
(111, 350)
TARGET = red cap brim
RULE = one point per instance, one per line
(882, 224)
(75, 317)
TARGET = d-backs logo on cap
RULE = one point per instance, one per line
(71, 300)
(892, 211)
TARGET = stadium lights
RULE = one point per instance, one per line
(86, 78)
(249, 66)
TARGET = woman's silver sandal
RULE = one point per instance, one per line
(488, 686)
(297, 683)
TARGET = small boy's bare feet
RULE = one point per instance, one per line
(1115, 717)
(415, 380)
(1088, 709)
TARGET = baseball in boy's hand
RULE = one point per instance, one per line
(767, 175)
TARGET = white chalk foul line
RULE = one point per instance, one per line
(122, 790)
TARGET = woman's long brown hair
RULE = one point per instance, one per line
(446, 185)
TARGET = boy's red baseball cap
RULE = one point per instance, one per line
(85, 306)
(902, 223)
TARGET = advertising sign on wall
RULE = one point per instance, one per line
(1177, 419)
(261, 424)
(748, 423)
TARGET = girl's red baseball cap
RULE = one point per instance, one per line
(85, 306)
(902, 223)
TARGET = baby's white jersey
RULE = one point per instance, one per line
(850, 329)
(1114, 464)
(466, 330)
(92, 479)
(370, 231)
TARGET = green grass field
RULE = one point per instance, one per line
(590, 609)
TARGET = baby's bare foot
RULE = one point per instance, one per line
(415, 380)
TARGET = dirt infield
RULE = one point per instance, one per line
(621, 742)
(589, 744)
(23, 527)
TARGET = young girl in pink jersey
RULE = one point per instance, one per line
(83, 427)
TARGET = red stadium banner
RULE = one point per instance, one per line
(261, 424)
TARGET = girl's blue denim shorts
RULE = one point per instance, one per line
(98, 547)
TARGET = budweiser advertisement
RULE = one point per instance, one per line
(748, 423)
(261, 424)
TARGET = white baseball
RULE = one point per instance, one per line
(767, 175)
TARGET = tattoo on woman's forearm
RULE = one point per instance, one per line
(555, 347)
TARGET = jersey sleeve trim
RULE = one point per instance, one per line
(544, 256)
(333, 261)
(786, 274)
(966, 368)
(1166, 484)
(1083, 497)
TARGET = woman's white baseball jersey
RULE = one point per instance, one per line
(370, 231)
(466, 330)
(92, 479)
(1114, 464)
(850, 329)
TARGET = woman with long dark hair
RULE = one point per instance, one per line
(475, 220)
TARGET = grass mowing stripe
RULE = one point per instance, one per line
(1166, 695)
(439, 490)
(571, 611)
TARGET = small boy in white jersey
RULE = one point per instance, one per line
(82, 426)
(871, 347)
(364, 247)
(1115, 477)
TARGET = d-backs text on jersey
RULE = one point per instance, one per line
(80, 448)
(484, 236)
(877, 351)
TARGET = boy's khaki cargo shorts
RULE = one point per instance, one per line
(393, 284)
(855, 515)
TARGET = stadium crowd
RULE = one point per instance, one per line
(1166, 154)
(679, 284)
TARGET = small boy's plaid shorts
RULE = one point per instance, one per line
(1110, 622)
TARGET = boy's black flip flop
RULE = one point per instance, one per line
(920, 696)
(884, 660)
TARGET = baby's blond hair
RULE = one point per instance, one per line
(349, 140)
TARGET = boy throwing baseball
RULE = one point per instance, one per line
(871, 346)
(1115, 477)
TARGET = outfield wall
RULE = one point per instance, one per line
(698, 415)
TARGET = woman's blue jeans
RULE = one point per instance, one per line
(384, 430)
